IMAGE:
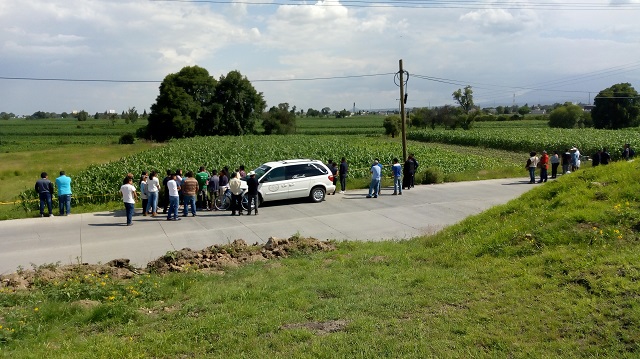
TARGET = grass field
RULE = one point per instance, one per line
(553, 274)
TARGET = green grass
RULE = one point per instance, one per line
(551, 274)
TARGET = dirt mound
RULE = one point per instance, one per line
(215, 258)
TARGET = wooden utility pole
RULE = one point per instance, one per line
(402, 115)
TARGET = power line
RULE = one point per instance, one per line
(444, 4)
(159, 81)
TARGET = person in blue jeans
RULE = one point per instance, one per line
(397, 177)
(376, 173)
(129, 197)
(44, 188)
(64, 193)
(532, 164)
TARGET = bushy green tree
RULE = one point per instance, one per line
(423, 117)
(279, 120)
(82, 115)
(567, 116)
(616, 107)
(184, 97)
(392, 125)
(236, 107)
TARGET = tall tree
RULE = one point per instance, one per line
(616, 107)
(183, 98)
(236, 107)
(464, 98)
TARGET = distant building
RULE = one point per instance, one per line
(588, 108)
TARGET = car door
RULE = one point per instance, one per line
(273, 185)
(299, 178)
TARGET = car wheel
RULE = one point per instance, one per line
(317, 194)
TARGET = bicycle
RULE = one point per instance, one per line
(223, 203)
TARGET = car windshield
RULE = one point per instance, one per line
(260, 171)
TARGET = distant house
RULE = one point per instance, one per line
(588, 108)
(538, 111)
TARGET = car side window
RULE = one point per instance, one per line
(314, 170)
(296, 171)
(276, 174)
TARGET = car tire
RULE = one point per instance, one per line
(317, 194)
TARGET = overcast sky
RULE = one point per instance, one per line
(508, 51)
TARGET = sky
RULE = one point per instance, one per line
(99, 55)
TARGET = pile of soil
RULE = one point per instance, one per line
(215, 258)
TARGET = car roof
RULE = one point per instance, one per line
(292, 161)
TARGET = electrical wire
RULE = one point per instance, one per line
(422, 4)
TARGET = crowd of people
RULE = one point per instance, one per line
(198, 191)
(192, 191)
(403, 176)
(570, 159)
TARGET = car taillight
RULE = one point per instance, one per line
(331, 178)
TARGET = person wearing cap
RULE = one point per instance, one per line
(575, 159)
(375, 180)
(544, 167)
(252, 193)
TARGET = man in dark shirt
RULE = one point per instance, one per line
(44, 188)
(252, 192)
(605, 157)
(344, 169)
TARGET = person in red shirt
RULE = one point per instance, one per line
(544, 166)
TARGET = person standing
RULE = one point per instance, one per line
(202, 177)
(344, 169)
(44, 188)
(566, 161)
(414, 169)
(334, 173)
(189, 191)
(626, 152)
(531, 165)
(236, 194)
(144, 194)
(212, 188)
(174, 198)
(544, 166)
(375, 180)
(129, 197)
(605, 157)
(63, 183)
(252, 192)
(397, 177)
(165, 191)
(575, 159)
(595, 159)
(380, 182)
(555, 162)
(153, 189)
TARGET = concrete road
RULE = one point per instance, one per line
(101, 237)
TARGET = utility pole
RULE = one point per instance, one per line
(402, 114)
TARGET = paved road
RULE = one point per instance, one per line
(101, 237)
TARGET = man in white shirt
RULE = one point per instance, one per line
(129, 197)
(174, 198)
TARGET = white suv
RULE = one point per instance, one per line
(293, 179)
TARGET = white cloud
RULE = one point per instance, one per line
(146, 40)
(501, 21)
